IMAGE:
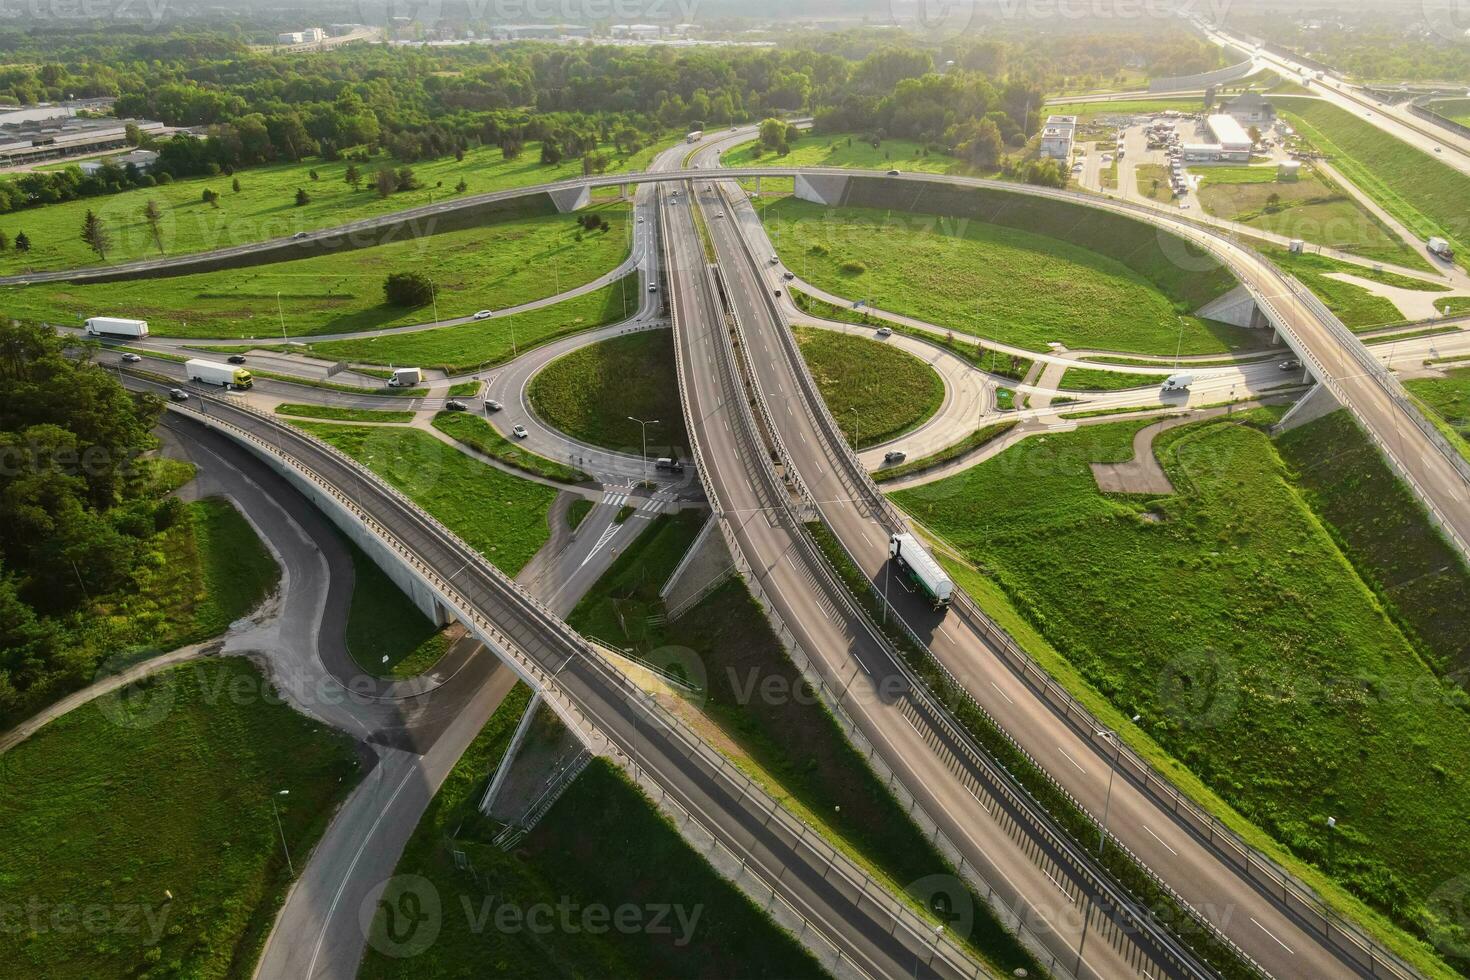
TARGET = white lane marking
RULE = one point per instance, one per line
(944, 631)
(1060, 886)
(1273, 936)
(1159, 839)
(1071, 760)
(1001, 693)
(607, 535)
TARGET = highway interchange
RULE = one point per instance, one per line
(1071, 912)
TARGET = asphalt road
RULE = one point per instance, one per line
(1283, 945)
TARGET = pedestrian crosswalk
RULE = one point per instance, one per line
(623, 496)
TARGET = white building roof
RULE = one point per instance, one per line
(1229, 133)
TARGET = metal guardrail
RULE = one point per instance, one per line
(1372, 956)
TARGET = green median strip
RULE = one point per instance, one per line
(337, 414)
(980, 437)
(480, 435)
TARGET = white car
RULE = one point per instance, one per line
(483, 315)
(131, 358)
(719, 214)
(640, 220)
(519, 431)
(653, 287)
(885, 331)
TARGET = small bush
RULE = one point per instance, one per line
(852, 267)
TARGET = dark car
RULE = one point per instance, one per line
(894, 456)
(491, 405)
(455, 405)
(178, 394)
(893, 173)
(237, 358)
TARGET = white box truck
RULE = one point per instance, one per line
(405, 377)
(1178, 382)
(116, 326)
(921, 567)
(215, 373)
(1441, 248)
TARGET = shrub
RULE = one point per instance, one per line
(407, 289)
(853, 267)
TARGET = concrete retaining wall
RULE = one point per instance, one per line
(1237, 307)
(1191, 83)
(1420, 108)
(821, 189)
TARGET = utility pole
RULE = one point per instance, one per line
(644, 425)
(280, 316)
(282, 830)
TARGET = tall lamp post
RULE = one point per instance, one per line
(1102, 827)
(281, 316)
(644, 426)
(282, 830)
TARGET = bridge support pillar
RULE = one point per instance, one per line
(1313, 405)
(1237, 307)
(827, 189)
(570, 198)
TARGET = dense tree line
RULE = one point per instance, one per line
(75, 513)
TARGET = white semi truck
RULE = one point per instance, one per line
(115, 326)
(405, 377)
(1441, 248)
(215, 373)
(921, 567)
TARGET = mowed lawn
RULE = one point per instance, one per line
(506, 263)
(590, 393)
(875, 391)
(1427, 195)
(1448, 398)
(501, 516)
(997, 282)
(1309, 208)
(468, 346)
(1218, 614)
(848, 150)
(265, 206)
(165, 789)
(1086, 112)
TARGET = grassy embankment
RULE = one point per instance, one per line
(335, 414)
(1011, 269)
(1448, 401)
(590, 393)
(478, 434)
(1228, 641)
(501, 516)
(1311, 208)
(265, 205)
(1097, 379)
(602, 846)
(387, 635)
(529, 253)
(168, 788)
(1354, 305)
(1424, 193)
(472, 346)
(875, 391)
(789, 744)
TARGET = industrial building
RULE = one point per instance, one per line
(1249, 109)
(142, 159)
(67, 136)
(1229, 143)
(1056, 137)
(309, 35)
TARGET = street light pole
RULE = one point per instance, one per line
(282, 831)
(1102, 828)
(434, 298)
(644, 426)
(280, 316)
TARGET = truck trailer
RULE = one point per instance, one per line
(215, 373)
(921, 567)
(405, 377)
(1441, 248)
(115, 326)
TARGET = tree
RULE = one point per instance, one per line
(405, 180)
(407, 289)
(22, 242)
(353, 176)
(302, 198)
(385, 182)
(210, 197)
(4, 241)
(235, 185)
(96, 235)
(772, 132)
(510, 147)
(459, 188)
(985, 147)
(153, 215)
(550, 152)
(313, 174)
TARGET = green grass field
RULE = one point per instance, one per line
(971, 442)
(875, 391)
(849, 150)
(1310, 208)
(1353, 304)
(590, 393)
(1096, 379)
(603, 845)
(168, 788)
(1449, 399)
(1087, 112)
(1152, 180)
(265, 207)
(501, 516)
(470, 346)
(1217, 614)
(336, 414)
(1424, 193)
(990, 280)
(475, 432)
(507, 263)
(387, 635)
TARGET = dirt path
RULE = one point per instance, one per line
(1144, 473)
